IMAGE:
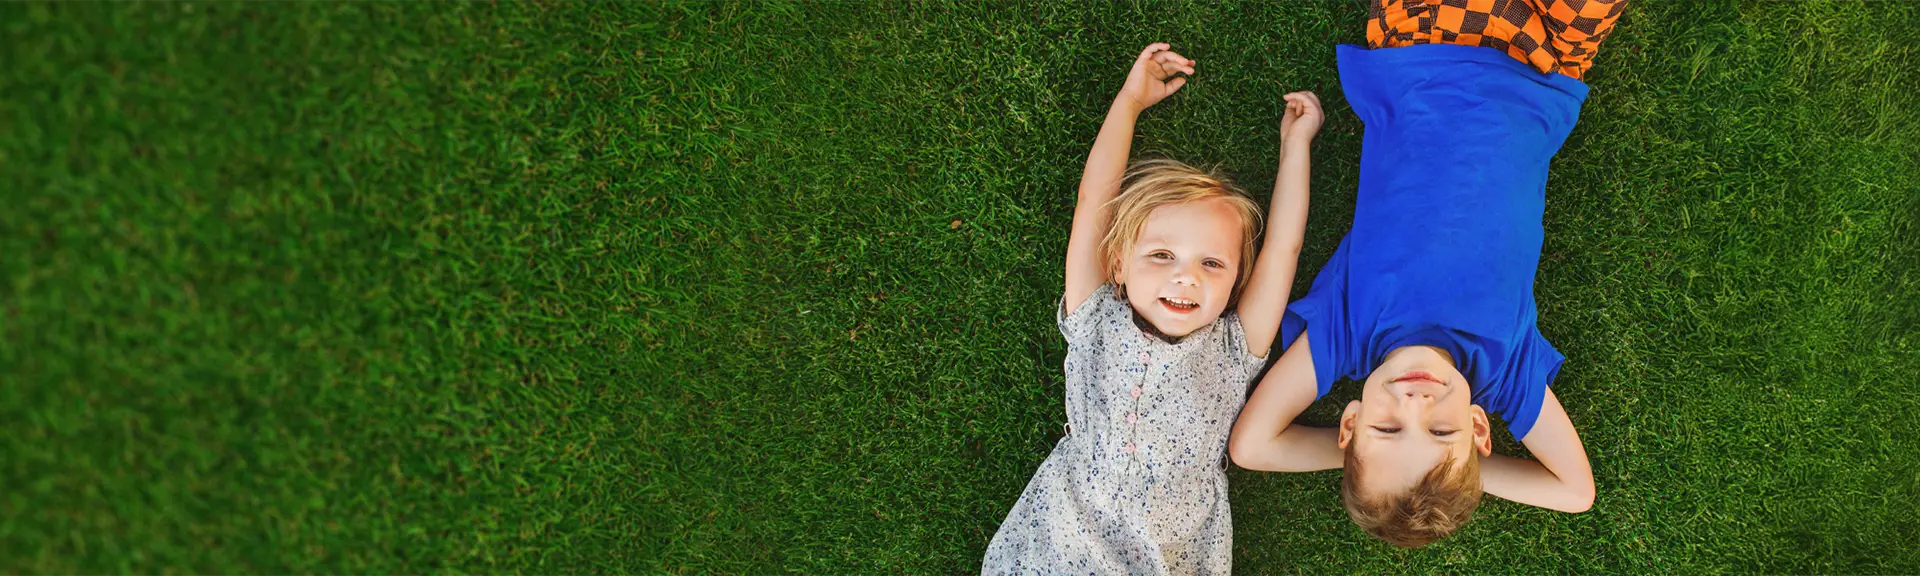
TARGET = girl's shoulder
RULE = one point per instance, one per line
(1227, 340)
(1102, 307)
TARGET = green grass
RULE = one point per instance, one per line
(751, 288)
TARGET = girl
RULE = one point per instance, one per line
(1156, 365)
(1429, 298)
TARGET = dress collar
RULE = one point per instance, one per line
(1158, 339)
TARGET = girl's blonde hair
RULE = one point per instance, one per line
(1150, 184)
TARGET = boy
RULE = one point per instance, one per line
(1429, 298)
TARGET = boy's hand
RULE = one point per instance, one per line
(1302, 119)
(1152, 78)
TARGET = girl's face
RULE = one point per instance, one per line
(1183, 265)
(1414, 412)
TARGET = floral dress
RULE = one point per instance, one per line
(1138, 485)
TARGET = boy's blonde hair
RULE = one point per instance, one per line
(1440, 503)
(1150, 184)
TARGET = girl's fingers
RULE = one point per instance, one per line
(1152, 48)
(1302, 103)
(1171, 57)
(1155, 69)
(1175, 84)
(1160, 68)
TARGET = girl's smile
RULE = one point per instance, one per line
(1179, 305)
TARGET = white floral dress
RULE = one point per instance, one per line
(1138, 485)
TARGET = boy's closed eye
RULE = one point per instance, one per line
(1396, 430)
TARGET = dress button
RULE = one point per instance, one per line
(1131, 448)
(1136, 391)
(1132, 418)
(1144, 358)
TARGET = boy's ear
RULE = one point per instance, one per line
(1349, 418)
(1482, 432)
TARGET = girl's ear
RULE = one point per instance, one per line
(1349, 418)
(1482, 432)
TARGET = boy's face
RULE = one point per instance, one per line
(1181, 270)
(1414, 412)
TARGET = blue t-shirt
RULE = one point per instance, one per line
(1447, 226)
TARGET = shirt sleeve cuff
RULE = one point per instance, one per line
(1074, 324)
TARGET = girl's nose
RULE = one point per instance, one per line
(1185, 275)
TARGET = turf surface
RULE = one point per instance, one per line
(750, 288)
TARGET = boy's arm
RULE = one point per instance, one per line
(1561, 479)
(1263, 302)
(1265, 437)
(1147, 83)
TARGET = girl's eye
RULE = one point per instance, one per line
(1216, 264)
(1387, 430)
(1442, 433)
(1161, 256)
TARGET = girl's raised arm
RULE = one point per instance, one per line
(1264, 300)
(1151, 80)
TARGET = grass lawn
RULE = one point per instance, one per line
(752, 288)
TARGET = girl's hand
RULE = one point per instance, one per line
(1302, 119)
(1152, 78)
